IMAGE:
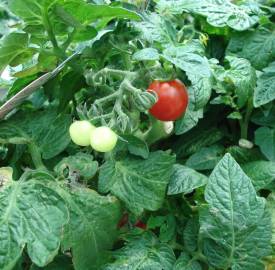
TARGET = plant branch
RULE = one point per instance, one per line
(128, 86)
(103, 116)
(51, 35)
(245, 122)
(114, 73)
(36, 156)
(106, 98)
(116, 116)
(67, 43)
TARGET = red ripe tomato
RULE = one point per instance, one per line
(123, 221)
(141, 225)
(172, 100)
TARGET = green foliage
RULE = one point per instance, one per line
(218, 13)
(95, 234)
(206, 158)
(139, 183)
(14, 50)
(185, 180)
(81, 163)
(45, 131)
(271, 207)
(240, 78)
(233, 206)
(261, 173)
(264, 137)
(136, 146)
(264, 93)
(258, 46)
(190, 234)
(32, 214)
(186, 262)
(189, 59)
(194, 194)
(144, 251)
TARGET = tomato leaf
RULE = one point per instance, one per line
(265, 90)
(264, 138)
(271, 208)
(206, 158)
(185, 180)
(218, 13)
(241, 76)
(261, 173)
(235, 223)
(257, 46)
(81, 163)
(192, 142)
(185, 262)
(146, 252)
(148, 54)
(32, 215)
(60, 262)
(189, 58)
(264, 116)
(156, 29)
(70, 84)
(46, 130)
(137, 146)
(242, 155)
(140, 184)
(14, 50)
(87, 13)
(191, 117)
(190, 234)
(92, 226)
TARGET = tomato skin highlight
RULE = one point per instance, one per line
(103, 139)
(172, 100)
(80, 132)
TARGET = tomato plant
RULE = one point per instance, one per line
(137, 134)
(172, 100)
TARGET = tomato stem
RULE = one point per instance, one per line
(36, 156)
(128, 86)
(245, 122)
(113, 72)
(52, 38)
(157, 132)
(103, 116)
(117, 114)
(69, 40)
(107, 98)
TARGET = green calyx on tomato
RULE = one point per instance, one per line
(172, 100)
(103, 139)
(80, 132)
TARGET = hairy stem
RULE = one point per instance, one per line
(114, 73)
(36, 156)
(128, 86)
(67, 43)
(106, 98)
(103, 116)
(245, 122)
(49, 29)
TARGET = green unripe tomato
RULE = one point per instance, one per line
(80, 132)
(103, 139)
